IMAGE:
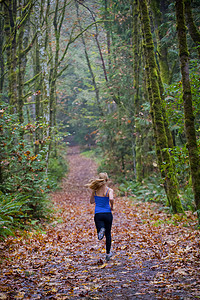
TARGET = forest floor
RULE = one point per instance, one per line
(156, 255)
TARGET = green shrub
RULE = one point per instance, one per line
(148, 190)
(188, 198)
(12, 211)
(57, 169)
(23, 173)
(152, 190)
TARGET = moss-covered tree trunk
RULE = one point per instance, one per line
(20, 99)
(1, 77)
(10, 29)
(165, 118)
(23, 47)
(162, 52)
(194, 155)
(152, 112)
(1, 51)
(162, 142)
(44, 89)
(107, 28)
(53, 76)
(159, 9)
(193, 29)
(137, 61)
(59, 15)
(37, 97)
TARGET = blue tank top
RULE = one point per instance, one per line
(102, 204)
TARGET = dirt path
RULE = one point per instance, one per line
(154, 258)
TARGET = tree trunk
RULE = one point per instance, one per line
(1, 80)
(1, 53)
(23, 48)
(37, 97)
(165, 118)
(11, 47)
(54, 74)
(193, 30)
(108, 39)
(160, 133)
(150, 98)
(137, 59)
(194, 155)
(158, 8)
(20, 77)
(44, 79)
(161, 49)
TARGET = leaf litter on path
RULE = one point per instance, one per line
(156, 256)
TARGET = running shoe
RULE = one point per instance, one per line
(108, 256)
(101, 233)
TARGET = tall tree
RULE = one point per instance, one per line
(23, 47)
(2, 67)
(159, 9)
(137, 100)
(10, 29)
(157, 106)
(194, 155)
(193, 30)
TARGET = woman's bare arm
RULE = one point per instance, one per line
(92, 201)
(111, 199)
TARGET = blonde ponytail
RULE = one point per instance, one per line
(95, 184)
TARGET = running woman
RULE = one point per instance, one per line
(102, 196)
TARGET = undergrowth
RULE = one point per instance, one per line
(148, 190)
(152, 190)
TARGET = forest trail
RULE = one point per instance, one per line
(154, 257)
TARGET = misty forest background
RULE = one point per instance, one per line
(121, 79)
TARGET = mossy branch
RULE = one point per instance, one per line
(51, 13)
(23, 53)
(72, 40)
(33, 102)
(61, 72)
(27, 95)
(25, 17)
(32, 79)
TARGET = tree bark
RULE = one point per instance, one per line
(162, 52)
(194, 155)
(22, 50)
(193, 30)
(20, 99)
(1, 52)
(137, 60)
(10, 29)
(44, 95)
(37, 97)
